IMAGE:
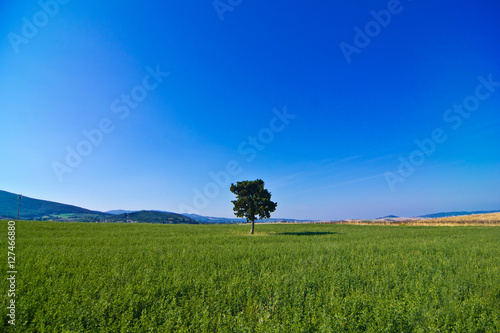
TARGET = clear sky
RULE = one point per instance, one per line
(356, 109)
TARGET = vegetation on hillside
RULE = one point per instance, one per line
(42, 209)
(151, 217)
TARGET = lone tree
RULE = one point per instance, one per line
(252, 200)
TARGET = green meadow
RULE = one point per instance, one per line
(95, 277)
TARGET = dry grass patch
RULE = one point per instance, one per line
(492, 219)
(479, 219)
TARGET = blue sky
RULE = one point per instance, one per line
(268, 91)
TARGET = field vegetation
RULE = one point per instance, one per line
(117, 277)
(478, 219)
(492, 219)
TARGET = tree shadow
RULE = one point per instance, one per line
(307, 233)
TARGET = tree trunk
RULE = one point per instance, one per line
(251, 230)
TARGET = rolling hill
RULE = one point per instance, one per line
(145, 216)
(35, 209)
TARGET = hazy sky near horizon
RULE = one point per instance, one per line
(345, 110)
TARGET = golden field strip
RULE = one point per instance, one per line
(492, 219)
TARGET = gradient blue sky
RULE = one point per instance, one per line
(354, 121)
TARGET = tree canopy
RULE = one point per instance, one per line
(252, 201)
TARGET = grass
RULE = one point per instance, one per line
(81, 277)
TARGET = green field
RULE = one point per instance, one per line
(86, 277)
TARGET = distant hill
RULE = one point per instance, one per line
(119, 211)
(449, 214)
(145, 216)
(210, 219)
(387, 217)
(35, 209)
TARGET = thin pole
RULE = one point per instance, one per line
(19, 206)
